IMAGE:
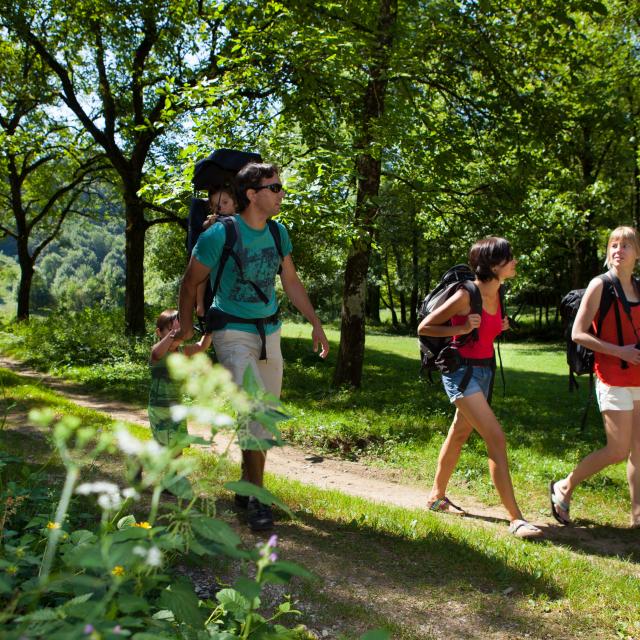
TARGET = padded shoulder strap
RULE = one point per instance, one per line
(230, 237)
(475, 301)
(503, 307)
(275, 232)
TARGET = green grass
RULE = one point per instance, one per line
(399, 421)
(386, 566)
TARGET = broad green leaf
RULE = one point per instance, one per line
(180, 598)
(127, 521)
(216, 530)
(132, 603)
(245, 488)
(250, 589)
(282, 571)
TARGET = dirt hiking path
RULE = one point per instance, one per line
(351, 478)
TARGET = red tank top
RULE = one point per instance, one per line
(490, 328)
(607, 367)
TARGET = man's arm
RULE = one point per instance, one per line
(195, 274)
(298, 295)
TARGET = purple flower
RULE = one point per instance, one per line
(273, 541)
(117, 629)
(88, 628)
(273, 557)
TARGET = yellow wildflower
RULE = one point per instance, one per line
(142, 525)
(53, 525)
(117, 570)
(12, 570)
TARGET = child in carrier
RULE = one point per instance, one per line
(164, 392)
(617, 369)
(222, 202)
(469, 385)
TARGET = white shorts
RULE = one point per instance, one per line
(616, 398)
(237, 350)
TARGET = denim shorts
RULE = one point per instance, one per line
(480, 382)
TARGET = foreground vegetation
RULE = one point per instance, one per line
(378, 565)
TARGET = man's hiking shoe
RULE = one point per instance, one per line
(242, 502)
(259, 515)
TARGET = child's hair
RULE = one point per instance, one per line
(166, 318)
(228, 189)
(488, 253)
(626, 234)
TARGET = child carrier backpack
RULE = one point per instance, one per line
(580, 359)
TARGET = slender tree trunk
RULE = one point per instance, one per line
(372, 307)
(352, 332)
(413, 304)
(134, 258)
(26, 278)
(391, 305)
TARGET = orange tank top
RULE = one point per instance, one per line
(607, 367)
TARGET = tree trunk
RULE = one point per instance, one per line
(413, 304)
(351, 349)
(134, 271)
(26, 278)
(352, 330)
(390, 305)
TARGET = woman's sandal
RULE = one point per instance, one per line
(444, 505)
(524, 529)
(558, 503)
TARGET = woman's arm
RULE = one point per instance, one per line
(459, 304)
(584, 318)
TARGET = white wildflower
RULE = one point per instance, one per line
(88, 488)
(130, 492)
(154, 557)
(178, 412)
(152, 448)
(109, 501)
(140, 551)
(128, 443)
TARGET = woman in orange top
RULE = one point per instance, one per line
(617, 388)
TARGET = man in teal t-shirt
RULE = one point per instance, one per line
(239, 344)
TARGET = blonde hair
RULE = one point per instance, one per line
(626, 234)
(166, 318)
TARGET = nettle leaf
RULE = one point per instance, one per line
(250, 589)
(233, 601)
(282, 571)
(131, 604)
(87, 557)
(216, 530)
(127, 521)
(244, 488)
(179, 487)
(5, 585)
(180, 598)
(82, 536)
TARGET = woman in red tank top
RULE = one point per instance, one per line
(468, 387)
(617, 387)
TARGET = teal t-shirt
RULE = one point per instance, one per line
(260, 263)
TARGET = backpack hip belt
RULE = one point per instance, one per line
(218, 320)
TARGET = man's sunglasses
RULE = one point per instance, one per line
(276, 187)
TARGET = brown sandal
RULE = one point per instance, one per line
(444, 505)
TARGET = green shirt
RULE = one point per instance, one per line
(260, 263)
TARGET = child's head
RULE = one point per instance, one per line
(165, 321)
(624, 235)
(488, 253)
(222, 201)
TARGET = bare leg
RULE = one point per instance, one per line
(253, 463)
(618, 426)
(633, 466)
(478, 413)
(459, 433)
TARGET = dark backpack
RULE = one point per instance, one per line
(580, 359)
(459, 277)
